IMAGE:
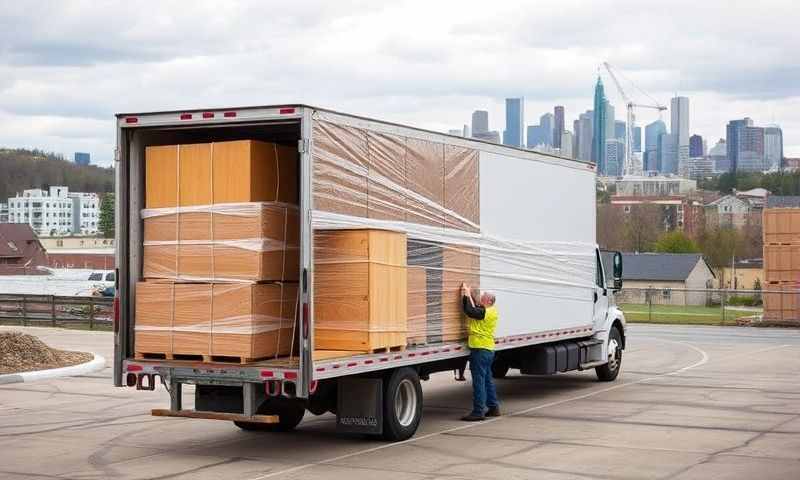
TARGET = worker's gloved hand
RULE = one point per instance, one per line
(464, 290)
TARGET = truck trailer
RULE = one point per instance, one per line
(525, 225)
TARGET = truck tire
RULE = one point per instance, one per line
(610, 371)
(289, 416)
(500, 367)
(402, 404)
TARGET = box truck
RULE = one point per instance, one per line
(391, 220)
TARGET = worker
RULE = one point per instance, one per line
(481, 326)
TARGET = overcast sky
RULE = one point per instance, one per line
(67, 67)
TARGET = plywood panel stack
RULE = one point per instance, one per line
(215, 322)
(781, 264)
(360, 282)
(221, 219)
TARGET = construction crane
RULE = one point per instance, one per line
(630, 104)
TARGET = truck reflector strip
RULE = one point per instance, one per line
(286, 111)
(208, 114)
(229, 114)
(134, 368)
(186, 116)
(131, 120)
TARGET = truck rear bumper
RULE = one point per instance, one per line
(231, 417)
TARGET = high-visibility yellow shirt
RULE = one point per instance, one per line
(481, 332)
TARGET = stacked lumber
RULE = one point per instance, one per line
(781, 227)
(221, 229)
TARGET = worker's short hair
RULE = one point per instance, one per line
(490, 296)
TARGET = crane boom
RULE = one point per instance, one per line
(628, 168)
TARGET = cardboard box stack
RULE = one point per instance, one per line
(360, 290)
(781, 227)
(220, 262)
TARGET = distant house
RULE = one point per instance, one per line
(20, 250)
(737, 209)
(742, 275)
(666, 275)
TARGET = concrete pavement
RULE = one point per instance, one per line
(693, 402)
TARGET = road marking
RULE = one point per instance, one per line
(703, 360)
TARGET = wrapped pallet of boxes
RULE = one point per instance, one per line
(215, 322)
(360, 287)
(202, 198)
(221, 219)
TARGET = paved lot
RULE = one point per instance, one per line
(694, 402)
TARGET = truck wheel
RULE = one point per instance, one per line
(402, 405)
(500, 367)
(289, 416)
(610, 371)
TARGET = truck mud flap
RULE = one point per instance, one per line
(360, 406)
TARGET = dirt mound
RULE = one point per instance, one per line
(20, 352)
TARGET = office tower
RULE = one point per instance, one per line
(696, 146)
(668, 154)
(679, 129)
(619, 129)
(745, 144)
(773, 147)
(558, 126)
(466, 132)
(566, 144)
(585, 133)
(480, 121)
(515, 117)
(719, 157)
(637, 139)
(542, 134)
(652, 133)
(600, 126)
(82, 158)
(615, 157)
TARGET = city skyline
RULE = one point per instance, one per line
(68, 68)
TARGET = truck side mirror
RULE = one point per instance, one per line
(617, 271)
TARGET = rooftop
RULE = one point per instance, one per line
(664, 267)
(780, 201)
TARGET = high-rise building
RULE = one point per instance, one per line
(698, 167)
(619, 129)
(515, 119)
(585, 132)
(679, 129)
(542, 134)
(558, 126)
(82, 158)
(600, 124)
(696, 146)
(615, 157)
(719, 157)
(566, 144)
(668, 153)
(652, 134)
(480, 121)
(745, 144)
(773, 147)
(637, 139)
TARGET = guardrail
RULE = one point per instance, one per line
(54, 310)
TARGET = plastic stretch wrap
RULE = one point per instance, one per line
(430, 193)
(231, 320)
(254, 241)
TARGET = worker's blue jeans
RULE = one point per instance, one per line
(483, 392)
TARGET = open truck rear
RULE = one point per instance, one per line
(524, 228)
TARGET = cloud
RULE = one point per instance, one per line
(72, 65)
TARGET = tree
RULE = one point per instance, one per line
(106, 221)
(675, 242)
(641, 228)
(720, 246)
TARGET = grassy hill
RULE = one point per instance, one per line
(21, 169)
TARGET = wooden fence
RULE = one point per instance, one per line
(52, 310)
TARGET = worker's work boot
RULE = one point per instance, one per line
(473, 418)
(493, 412)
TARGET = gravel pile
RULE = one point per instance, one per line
(20, 352)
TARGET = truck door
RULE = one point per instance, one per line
(600, 293)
